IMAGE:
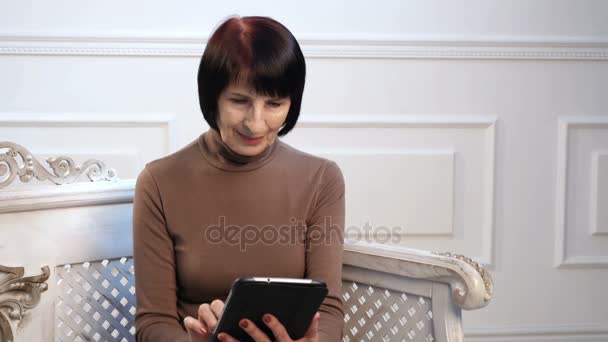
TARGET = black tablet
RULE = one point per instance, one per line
(293, 301)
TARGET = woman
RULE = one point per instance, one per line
(238, 201)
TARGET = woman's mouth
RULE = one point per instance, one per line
(250, 140)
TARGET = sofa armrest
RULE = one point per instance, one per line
(472, 286)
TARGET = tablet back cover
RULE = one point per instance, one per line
(293, 304)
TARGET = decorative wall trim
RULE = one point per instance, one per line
(486, 122)
(394, 121)
(561, 260)
(93, 120)
(596, 228)
(325, 46)
(18, 295)
(584, 261)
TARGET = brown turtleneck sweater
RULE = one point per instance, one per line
(204, 216)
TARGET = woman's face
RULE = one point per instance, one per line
(249, 123)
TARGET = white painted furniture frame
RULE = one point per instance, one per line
(51, 226)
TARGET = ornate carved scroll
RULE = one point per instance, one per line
(18, 295)
(18, 161)
(485, 276)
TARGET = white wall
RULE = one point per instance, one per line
(480, 127)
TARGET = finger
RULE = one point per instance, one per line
(278, 330)
(224, 337)
(217, 307)
(313, 329)
(207, 317)
(253, 331)
(194, 325)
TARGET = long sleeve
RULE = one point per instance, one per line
(324, 250)
(156, 318)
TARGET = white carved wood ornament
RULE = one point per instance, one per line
(19, 294)
(18, 161)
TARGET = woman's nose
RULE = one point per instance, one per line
(255, 118)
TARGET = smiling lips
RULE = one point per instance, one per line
(249, 140)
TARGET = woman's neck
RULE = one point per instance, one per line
(220, 155)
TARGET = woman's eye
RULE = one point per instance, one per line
(275, 104)
(238, 101)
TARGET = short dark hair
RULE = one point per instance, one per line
(259, 51)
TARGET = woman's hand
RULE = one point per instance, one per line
(201, 329)
(278, 330)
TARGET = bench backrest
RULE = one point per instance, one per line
(79, 237)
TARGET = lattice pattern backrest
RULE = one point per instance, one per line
(96, 302)
(377, 314)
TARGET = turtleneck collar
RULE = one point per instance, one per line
(215, 150)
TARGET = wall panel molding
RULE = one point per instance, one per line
(485, 123)
(38, 119)
(562, 260)
(325, 46)
(85, 119)
(599, 192)
(395, 121)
